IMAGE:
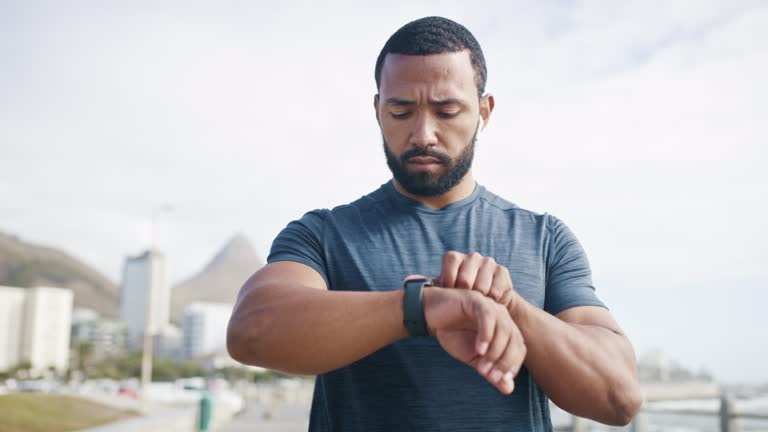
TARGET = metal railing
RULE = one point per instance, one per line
(728, 415)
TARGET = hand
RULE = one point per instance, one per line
(477, 331)
(478, 273)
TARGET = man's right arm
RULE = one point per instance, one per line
(286, 319)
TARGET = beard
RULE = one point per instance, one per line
(426, 183)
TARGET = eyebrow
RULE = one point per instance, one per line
(405, 102)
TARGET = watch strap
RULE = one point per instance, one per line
(413, 308)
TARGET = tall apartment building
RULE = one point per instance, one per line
(144, 275)
(11, 321)
(35, 327)
(205, 329)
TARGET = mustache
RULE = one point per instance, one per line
(443, 158)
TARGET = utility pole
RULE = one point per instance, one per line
(146, 353)
(149, 326)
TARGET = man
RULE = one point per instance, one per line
(509, 308)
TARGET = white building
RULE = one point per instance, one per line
(36, 327)
(168, 342)
(142, 275)
(48, 317)
(11, 321)
(108, 337)
(205, 329)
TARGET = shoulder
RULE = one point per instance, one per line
(318, 218)
(362, 205)
(545, 226)
(499, 204)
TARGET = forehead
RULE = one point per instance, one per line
(438, 75)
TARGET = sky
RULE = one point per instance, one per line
(642, 124)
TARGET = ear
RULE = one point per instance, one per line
(487, 103)
(376, 106)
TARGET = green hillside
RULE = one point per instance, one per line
(26, 265)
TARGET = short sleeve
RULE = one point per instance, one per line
(301, 241)
(569, 277)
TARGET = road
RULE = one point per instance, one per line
(272, 417)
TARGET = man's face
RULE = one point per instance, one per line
(428, 111)
(425, 182)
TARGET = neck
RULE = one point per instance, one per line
(457, 193)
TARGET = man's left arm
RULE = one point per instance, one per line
(579, 356)
(582, 360)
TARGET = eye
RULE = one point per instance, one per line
(400, 114)
(448, 114)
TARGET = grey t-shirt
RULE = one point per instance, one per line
(413, 384)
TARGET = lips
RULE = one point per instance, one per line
(423, 160)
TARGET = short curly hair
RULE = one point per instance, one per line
(434, 35)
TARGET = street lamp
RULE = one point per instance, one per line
(149, 330)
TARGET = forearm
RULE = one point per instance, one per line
(587, 370)
(304, 330)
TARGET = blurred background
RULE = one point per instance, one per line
(151, 151)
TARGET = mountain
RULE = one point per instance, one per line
(220, 280)
(27, 265)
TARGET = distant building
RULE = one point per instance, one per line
(35, 327)
(168, 342)
(142, 275)
(205, 329)
(108, 337)
(11, 322)
(83, 315)
(48, 317)
(657, 367)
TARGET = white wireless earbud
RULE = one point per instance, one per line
(480, 125)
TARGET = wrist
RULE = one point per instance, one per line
(402, 329)
(517, 307)
(426, 297)
(414, 318)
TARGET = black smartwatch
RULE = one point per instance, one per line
(413, 309)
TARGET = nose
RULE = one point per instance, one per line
(424, 132)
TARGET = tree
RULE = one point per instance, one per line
(85, 357)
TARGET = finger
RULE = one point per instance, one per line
(513, 359)
(520, 352)
(485, 276)
(507, 383)
(500, 338)
(485, 323)
(509, 364)
(473, 362)
(506, 298)
(465, 278)
(501, 283)
(451, 263)
(498, 377)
